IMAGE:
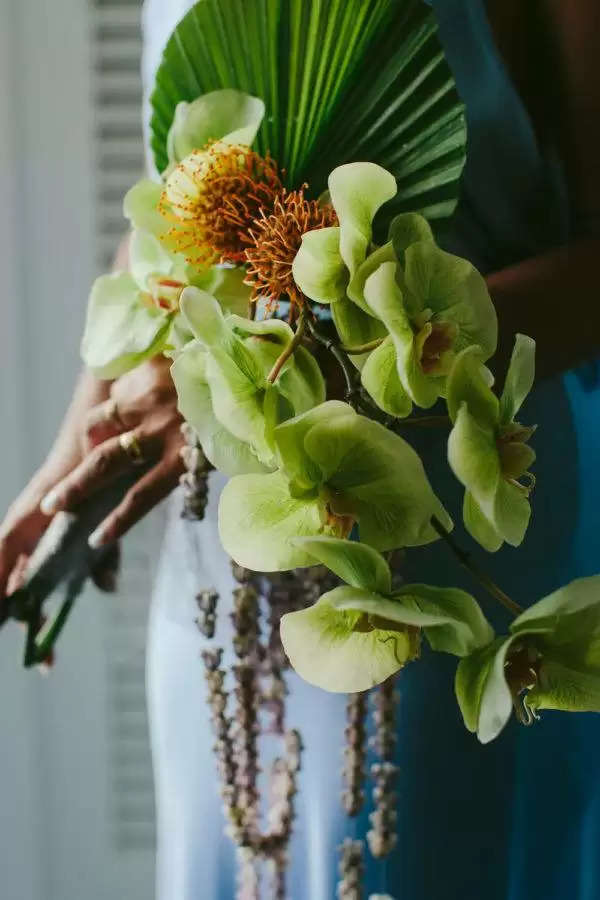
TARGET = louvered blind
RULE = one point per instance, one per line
(117, 47)
(119, 161)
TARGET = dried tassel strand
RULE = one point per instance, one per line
(207, 604)
(382, 837)
(351, 871)
(245, 724)
(194, 480)
(355, 753)
(223, 747)
(245, 621)
(248, 884)
(384, 717)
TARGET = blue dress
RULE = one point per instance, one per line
(515, 820)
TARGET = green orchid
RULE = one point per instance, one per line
(329, 259)
(134, 315)
(335, 468)
(550, 660)
(426, 304)
(224, 389)
(433, 305)
(226, 115)
(488, 450)
(359, 634)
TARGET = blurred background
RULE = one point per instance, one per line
(76, 803)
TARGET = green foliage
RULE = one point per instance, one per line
(320, 83)
(340, 80)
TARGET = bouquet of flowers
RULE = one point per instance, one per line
(287, 260)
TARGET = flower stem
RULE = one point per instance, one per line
(426, 421)
(289, 350)
(349, 372)
(357, 396)
(484, 580)
(362, 348)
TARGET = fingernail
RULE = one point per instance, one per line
(97, 538)
(49, 504)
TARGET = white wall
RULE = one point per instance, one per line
(56, 841)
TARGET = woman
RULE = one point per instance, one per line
(517, 820)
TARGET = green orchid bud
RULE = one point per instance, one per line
(356, 636)
(488, 450)
(550, 660)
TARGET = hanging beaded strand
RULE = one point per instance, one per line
(245, 720)
(223, 746)
(351, 870)
(207, 606)
(258, 681)
(382, 836)
(355, 753)
(194, 481)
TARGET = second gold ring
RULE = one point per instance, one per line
(132, 448)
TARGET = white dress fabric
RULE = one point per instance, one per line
(195, 860)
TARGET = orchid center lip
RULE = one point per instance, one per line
(435, 345)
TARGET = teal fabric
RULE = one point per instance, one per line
(518, 819)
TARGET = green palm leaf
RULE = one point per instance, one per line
(341, 80)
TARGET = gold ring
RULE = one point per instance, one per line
(130, 444)
(110, 413)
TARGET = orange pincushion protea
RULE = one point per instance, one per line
(273, 241)
(212, 197)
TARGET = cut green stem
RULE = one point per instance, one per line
(38, 649)
(289, 350)
(363, 348)
(484, 580)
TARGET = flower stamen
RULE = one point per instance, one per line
(274, 240)
(212, 197)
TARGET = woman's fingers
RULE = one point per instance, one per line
(19, 533)
(102, 422)
(17, 576)
(100, 467)
(152, 487)
(105, 572)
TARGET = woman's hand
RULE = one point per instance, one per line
(138, 423)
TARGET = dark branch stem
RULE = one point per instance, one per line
(356, 394)
(349, 372)
(484, 580)
(426, 421)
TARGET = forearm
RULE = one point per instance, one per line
(66, 451)
(554, 299)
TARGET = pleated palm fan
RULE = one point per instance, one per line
(342, 80)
